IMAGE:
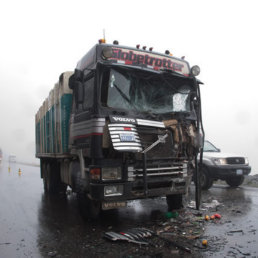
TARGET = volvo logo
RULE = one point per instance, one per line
(122, 119)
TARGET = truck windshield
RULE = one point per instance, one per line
(140, 91)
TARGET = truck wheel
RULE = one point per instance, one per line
(52, 179)
(174, 201)
(235, 181)
(44, 175)
(205, 180)
(89, 209)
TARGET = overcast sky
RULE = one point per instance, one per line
(42, 39)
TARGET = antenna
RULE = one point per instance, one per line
(104, 36)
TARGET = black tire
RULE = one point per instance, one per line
(44, 174)
(235, 181)
(52, 180)
(205, 180)
(174, 202)
(89, 209)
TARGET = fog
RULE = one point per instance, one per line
(42, 39)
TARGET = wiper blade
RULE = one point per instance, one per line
(152, 115)
(125, 97)
(122, 94)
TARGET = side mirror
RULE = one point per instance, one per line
(76, 77)
(76, 85)
(79, 92)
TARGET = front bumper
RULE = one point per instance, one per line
(131, 191)
(226, 171)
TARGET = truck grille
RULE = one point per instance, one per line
(158, 176)
(235, 160)
(125, 137)
(175, 170)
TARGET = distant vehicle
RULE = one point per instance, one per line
(224, 166)
(1, 155)
(12, 158)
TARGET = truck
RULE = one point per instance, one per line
(124, 125)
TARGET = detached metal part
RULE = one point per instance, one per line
(136, 235)
(116, 236)
(161, 139)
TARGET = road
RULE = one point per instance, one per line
(33, 224)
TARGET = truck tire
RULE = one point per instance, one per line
(174, 201)
(52, 180)
(205, 180)
(89, 209)
(44, 174)
(235, 181)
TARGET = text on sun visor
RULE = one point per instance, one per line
(130, 57)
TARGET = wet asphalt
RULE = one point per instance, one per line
(33, 224)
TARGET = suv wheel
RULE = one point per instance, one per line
(205, 180)
(235, 181)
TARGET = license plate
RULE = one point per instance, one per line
(113, 205)
(239, 171)
(124, 137)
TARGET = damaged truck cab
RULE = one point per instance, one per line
(125, 125)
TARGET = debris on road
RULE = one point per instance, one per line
(239, 251)
(177, 230)
(212, 204)
(204, 242)
(124, 237)
(171, 214)
(136, 235)
(52, 253)
(235, 231)
(207, 217)
(206, 205)
(217, 216)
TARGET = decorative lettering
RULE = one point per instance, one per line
(157, 62)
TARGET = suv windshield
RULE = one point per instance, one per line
(208, 147)
(145, 92)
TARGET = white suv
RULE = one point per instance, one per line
(224, 166)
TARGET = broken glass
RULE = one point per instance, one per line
(145, 92)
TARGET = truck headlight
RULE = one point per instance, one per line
(246, 161)
(220, 161)
(107, 52)
(195, 70)
(113, 190)
(111, 173)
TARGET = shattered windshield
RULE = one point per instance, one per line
(146, 92)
